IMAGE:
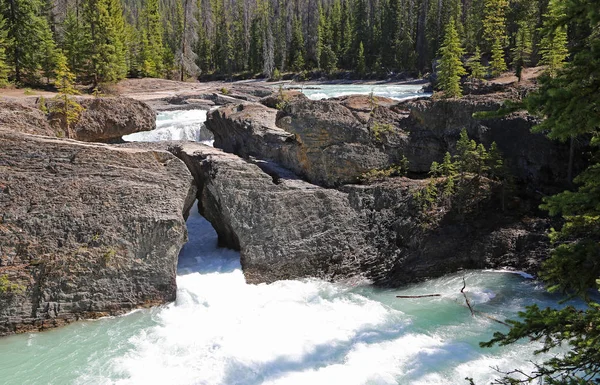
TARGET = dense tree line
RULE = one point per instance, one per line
(106, 40)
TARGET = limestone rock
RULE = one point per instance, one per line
(86, 230)
(108, 119)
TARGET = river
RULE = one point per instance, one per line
(222, 331)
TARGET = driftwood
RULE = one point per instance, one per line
(473, 311)
(465, 294)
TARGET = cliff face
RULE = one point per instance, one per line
(333, 142)
(86, 230)
(287, 228)
(382, 230)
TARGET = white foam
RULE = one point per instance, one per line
(173, 125)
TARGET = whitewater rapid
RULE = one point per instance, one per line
(222, 331)
(397, 92)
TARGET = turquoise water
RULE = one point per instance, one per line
(398, 92)
(223, 331)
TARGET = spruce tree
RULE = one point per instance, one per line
(29, 39)
(567, 101)
(522, 49)
(450, 66)
(478, 70)
(297, 51)
(554, 41)
(65, 107)
(497, 65)
(105, 24)
(152, 44)
(3, 43)
(75, 43)
(494, 21)
(361, 67)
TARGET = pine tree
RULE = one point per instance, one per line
(152, 44)
(65, 107)
(104, 20)
(3, 43)
(360, 60)
(494, 21)
(554, 41)
(497, 65)
(297, 51)
(522, 49)
(29, 38)
(478, 70)
(75, 43)
(451, 67)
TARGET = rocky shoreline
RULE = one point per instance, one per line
(92, 229)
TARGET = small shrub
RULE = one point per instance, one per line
(224, 91)
(27, 91)
(379, 129)
(8, 287)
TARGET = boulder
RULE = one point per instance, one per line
(108, 119)
(86, 230)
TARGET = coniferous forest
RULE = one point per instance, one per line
(107, 40)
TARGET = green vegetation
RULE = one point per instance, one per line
(451, 67)
(379, 129)
(400, 169)
(65, 106)
(554, 42)
(478, 70)
(8, 287)
(107, 40)
(457, 180)
(567, 99)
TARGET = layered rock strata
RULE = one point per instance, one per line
(86, 230)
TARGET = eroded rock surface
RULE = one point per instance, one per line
(334, 142)
(86, 230)
(108, 119)
(286, 228)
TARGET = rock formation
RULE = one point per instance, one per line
(286, 228)
(108, 119)
(103, 119)
(333, 142)
(86, 230)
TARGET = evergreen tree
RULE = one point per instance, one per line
(297, 51)
(65, 107)
(522, 49)
(75, 43)
(152, 44)
(451, 67)
(478, 70)
(567, 101)
(105, 23)
(494, 21)
(554, 41)
(29, 39)
(361, 67)
(3, 43)
(497, 65)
